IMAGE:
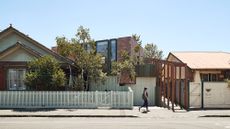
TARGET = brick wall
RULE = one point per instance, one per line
(123, 44)
(126, 44)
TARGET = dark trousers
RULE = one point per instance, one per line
(145, 104)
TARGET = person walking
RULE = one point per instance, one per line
(145, 98)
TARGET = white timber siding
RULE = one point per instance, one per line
(215, 95)
(66, 99)
(112, 84)
(195, 94)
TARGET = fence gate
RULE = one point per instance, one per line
(104, 99)
(195, 95)
(172, 84)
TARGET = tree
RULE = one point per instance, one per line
(151, 51)
(125, 65)
(82, 50)
(137, 38)
(45, 74)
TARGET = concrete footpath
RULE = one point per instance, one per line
(155, 112)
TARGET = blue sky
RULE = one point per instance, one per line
(174, 25)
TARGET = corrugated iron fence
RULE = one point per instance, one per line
(66, 99)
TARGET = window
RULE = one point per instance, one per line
(226, 74)
(15, 79)
(209, 77)
(113, 50)
(213, 77)
(102, 48)
(108, 49)
(204, 77)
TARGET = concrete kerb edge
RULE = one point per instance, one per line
(118, 116)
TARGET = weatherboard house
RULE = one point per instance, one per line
(16, 49)
(204, 66)
(209, 72)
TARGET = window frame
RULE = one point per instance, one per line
(16, 76)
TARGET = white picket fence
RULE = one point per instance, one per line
(66, 99)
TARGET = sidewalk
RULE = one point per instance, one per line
(155, 112)
(102, 112)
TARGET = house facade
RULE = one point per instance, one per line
(204, 66)
(16, 49)
(208, 72)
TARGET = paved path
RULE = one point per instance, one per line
(155, 112)
(160, 118)
(112, 123)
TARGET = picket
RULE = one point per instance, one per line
(66, 99)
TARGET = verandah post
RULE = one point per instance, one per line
(173, 86)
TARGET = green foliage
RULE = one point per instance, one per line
(151, 51)
(58, 78)
(82, 50)
(137, 38)
(126, 64)
(44, 74)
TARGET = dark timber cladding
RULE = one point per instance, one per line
(172, 84)
(2, 78)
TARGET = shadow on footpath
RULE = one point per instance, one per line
(215, 116)
(33, 110)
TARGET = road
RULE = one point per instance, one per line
(113, 123)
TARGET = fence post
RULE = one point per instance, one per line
(111, 99)
(130, 93)
(188, 95)
(202, 94)
(131, 99)
(96, 98)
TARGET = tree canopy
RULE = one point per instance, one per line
(45, 74)
(82, 50)
(151, 51)
(126, 65)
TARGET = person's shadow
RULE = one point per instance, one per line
(144, 112)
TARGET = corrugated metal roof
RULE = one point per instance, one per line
(204, 60)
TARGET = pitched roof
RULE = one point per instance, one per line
(18, 44)
(204, 60)
(11, 29)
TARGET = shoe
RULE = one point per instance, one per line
(148, 110)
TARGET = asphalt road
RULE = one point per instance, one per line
(113, 123)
